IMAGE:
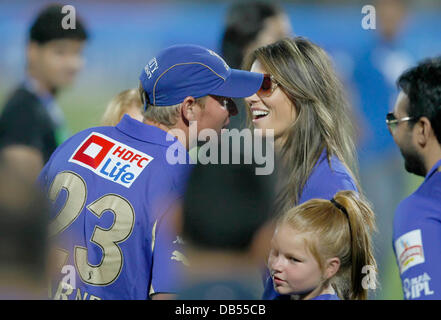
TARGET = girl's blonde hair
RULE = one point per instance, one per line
(120, 105)
(332, 233)
(306, 75)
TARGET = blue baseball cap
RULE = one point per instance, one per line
(188, 70)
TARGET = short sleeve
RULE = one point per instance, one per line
(168, 258)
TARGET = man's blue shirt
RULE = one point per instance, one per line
(417, 239)
(113, 192)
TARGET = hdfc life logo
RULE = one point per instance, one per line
(110, 159)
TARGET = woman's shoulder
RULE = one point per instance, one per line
(333, 171)
(327, 178)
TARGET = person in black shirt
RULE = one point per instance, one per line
(31, 124)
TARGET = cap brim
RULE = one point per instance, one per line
(240, 84)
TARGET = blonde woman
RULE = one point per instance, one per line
(126, 102)
(302, 100)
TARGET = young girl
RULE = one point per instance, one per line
(320, 247)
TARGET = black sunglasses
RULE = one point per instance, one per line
(228, 104)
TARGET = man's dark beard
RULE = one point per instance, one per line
(413, 162)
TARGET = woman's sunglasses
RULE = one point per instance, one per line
(268, 86)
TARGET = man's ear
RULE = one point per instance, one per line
(188, 110)
(423, 131)
(332, 267)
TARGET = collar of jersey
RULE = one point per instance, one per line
(31, 84)
(433, 170)
(145, 132)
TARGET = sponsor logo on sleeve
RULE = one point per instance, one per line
(219, 57)
(110, 159)
(409, 249)
(414, 287)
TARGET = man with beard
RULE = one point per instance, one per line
(415, 125)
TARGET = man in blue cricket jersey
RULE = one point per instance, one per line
(114, 189)
(415, 124)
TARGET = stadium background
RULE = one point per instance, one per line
(124, 34)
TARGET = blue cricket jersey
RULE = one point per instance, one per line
(113, 192)
(417, 239)
(324, 182)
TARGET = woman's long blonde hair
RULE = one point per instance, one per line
(333, 234)
(305, 74)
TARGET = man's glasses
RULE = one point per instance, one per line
(268, 86)
(227, 103)
(392, 121)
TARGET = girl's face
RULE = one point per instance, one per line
(294, 269)
(274, 111)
